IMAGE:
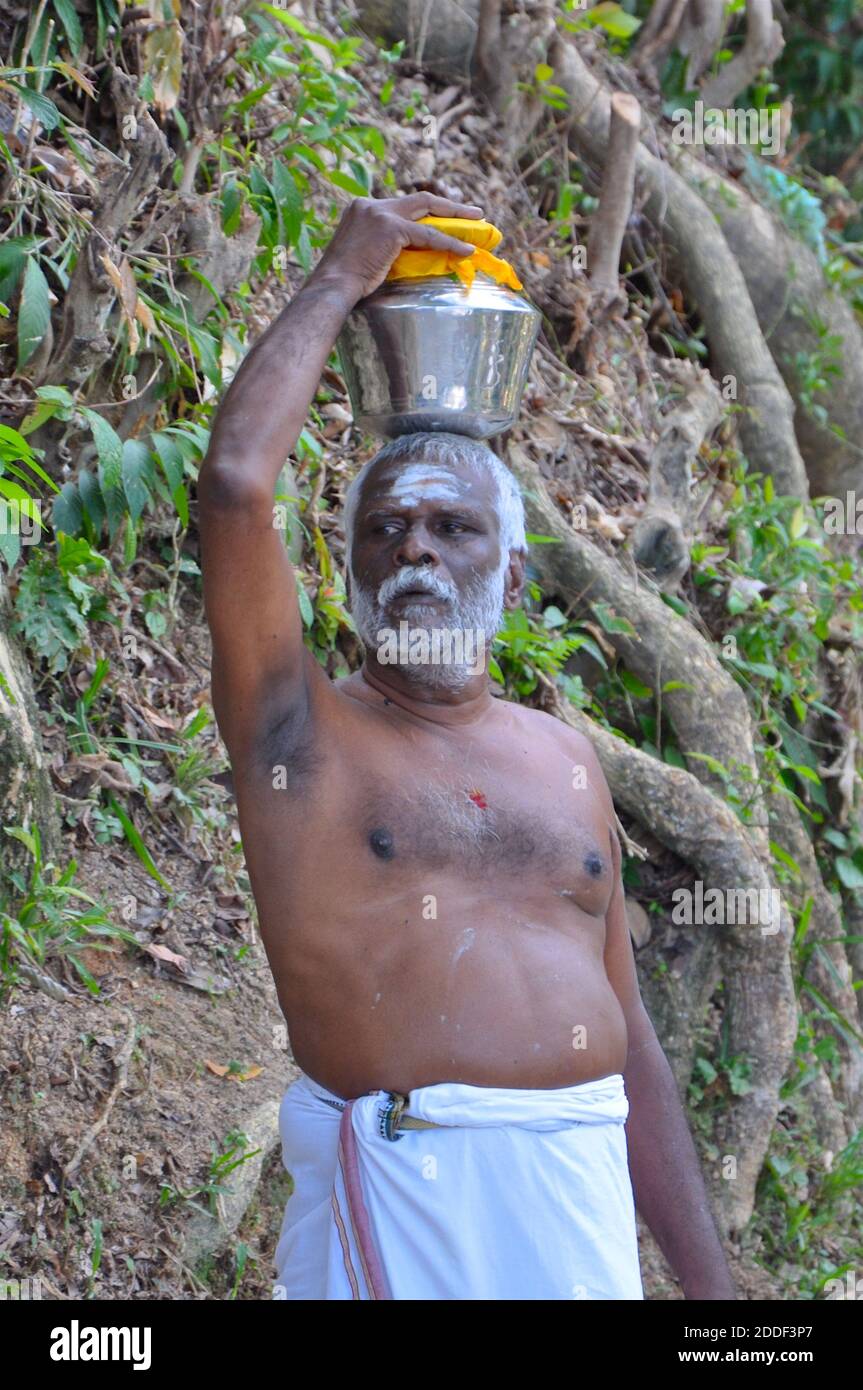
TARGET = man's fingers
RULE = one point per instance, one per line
(434, 240)
(418, 205)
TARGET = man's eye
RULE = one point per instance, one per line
(457, 524)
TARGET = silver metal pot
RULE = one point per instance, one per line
(427, 354)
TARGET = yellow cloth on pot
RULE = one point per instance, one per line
(415, 262)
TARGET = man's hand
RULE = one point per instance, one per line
(373, 231)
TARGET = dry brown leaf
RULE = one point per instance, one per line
(108, 773)
(78, 77)
(600, 638)
(163, 62)
(158, 719)
(144, 316)
(169, 957)
(123, 279)
(218, 1070)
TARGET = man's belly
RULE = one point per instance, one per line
(497, 994)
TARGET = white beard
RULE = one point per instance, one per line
(478, 610)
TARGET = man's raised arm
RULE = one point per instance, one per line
(261, 672)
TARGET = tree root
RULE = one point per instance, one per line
(701, 31)
(662, 536)
(615, 199)
(711, 273)
(798, 312)
(764, 42)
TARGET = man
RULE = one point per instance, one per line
(436, 871)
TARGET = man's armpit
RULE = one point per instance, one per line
(286, 750)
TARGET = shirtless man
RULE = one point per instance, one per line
(436, 870)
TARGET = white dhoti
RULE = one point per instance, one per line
(519, 1194)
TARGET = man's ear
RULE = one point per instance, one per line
(515, 577)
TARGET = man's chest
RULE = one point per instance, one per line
(390, 804)
(487, 814)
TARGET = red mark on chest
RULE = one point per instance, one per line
(478, 799)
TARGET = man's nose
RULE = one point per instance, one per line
(416, 548)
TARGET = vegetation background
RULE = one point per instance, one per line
(689, 450)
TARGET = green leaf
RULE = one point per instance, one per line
(610, 621)
(232, 207)
(304, 249)
(849, 874)
(137, 476)
(133, 836)
(13, 256)
(784, 858)
(42, 411)
(71, 23)
(181, 503)
(615, 20)
(25, 838)
(13, 446)
(306, 611)
(807, 774)
(291, 22)
(713, 763)
(675, 603)
(34, 312)
(836, 837)
(10, 538)
(170, 457)
(130, 542)
(109, 447)
(542, 72)
(634, 685)
(67, 513)
(374, 141)
(345, 181)
(91, 498)
(289, 201)
(42, 107)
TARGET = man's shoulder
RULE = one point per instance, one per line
(540, 721)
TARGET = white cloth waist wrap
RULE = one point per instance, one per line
(520, 1194)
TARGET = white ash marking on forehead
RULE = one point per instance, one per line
(423, 482)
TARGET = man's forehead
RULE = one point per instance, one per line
(409, 484)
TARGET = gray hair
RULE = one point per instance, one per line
(440, 448)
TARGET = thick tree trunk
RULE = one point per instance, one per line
(439, 35)
(798, 312)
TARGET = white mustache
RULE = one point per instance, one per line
(419, 578)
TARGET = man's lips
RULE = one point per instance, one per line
(418, 594)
